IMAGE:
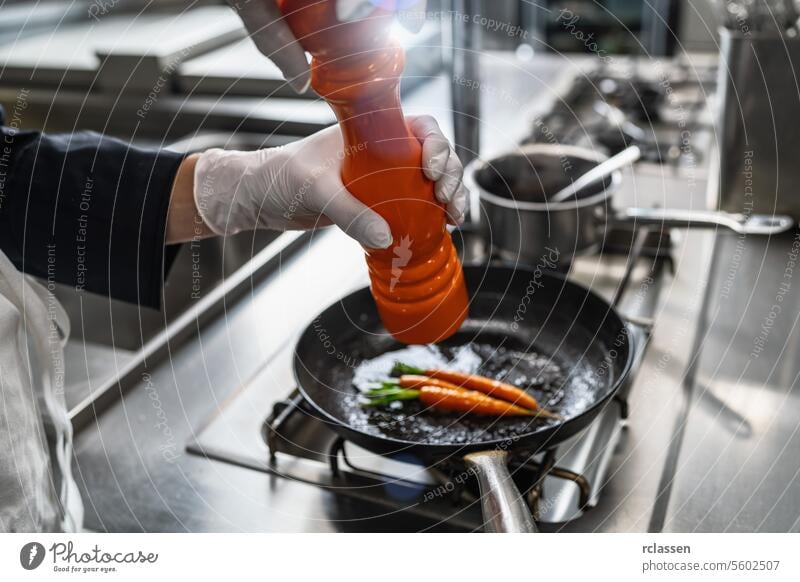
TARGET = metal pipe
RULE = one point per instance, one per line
(465, 91)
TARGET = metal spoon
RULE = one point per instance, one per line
(601, 171)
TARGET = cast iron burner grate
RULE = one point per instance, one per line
(453, 480)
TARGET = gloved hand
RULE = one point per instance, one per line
(299, 186)
(275, 40)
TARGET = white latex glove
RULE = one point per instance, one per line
(275, 40)
(299, 186)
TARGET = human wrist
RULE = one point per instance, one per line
(183, 219)
(230, 188)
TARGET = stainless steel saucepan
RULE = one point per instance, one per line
(524, 226)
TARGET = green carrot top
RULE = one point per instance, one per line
(400, 368)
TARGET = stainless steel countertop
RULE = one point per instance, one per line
(73, 54)
(738, 468)
(702, 451)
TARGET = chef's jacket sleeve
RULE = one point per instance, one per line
(86, 210)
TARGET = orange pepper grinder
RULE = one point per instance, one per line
(417, 283)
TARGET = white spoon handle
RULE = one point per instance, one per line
(624, 158)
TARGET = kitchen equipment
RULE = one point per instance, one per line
(523, 226)
(518, 309)
(466, 100)
(613, 109)
(417, 282)
(599, 173)
(758, 142)
(615, 132)
(763, 17)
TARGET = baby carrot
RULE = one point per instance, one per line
(416, 381)
(459, 400)
(449, 399)
(483, 384)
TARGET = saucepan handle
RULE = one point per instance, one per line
(504, 509)
(763, 224)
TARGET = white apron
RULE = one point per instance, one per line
(37, 492)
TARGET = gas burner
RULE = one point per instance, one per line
(554, 490)
(614, 111)
(559, 483)
(639, 99)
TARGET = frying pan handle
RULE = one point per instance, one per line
(504, 509)
(741, 223)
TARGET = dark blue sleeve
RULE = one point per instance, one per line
(86, 210)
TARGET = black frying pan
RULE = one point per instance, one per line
(525, 325)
